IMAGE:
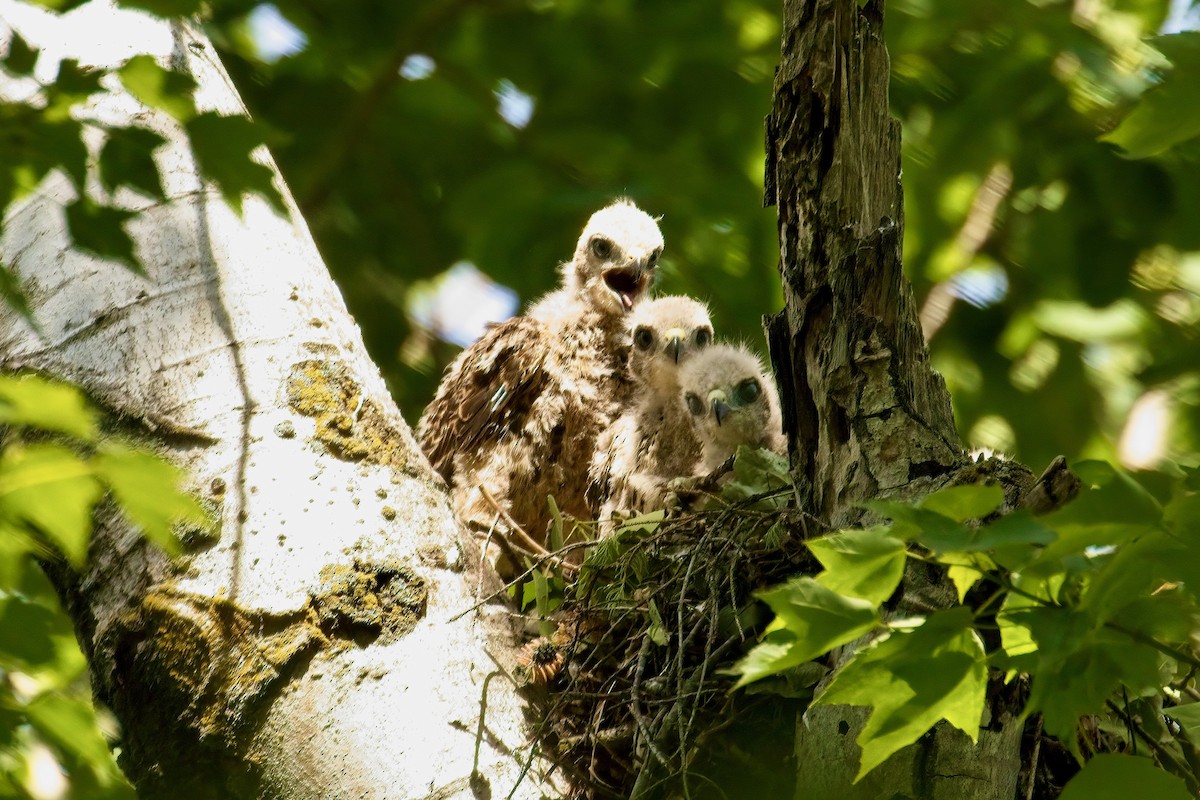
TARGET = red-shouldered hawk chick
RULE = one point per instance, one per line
(518, 412)
(732, 401)
(653, 441)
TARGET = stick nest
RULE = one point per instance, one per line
(637, 673)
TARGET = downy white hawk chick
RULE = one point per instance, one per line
(653, 441)
(518, 412)
(732, 401)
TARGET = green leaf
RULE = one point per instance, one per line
(860, 563)
(657, 630)
(49, 487)
(61, 6)
(39, 640)
(1012, 532)
(1138, 569)
(100, 230)
(21, 58)
(967, 573)
(14, 295)
(165, 8)
(1082, 322)
(910, 522)
(1167, 114)
(159, 88)
(70, 725)
(149, 491)
(961, 503)
(911, 680)
(1115, 510)
(25, 632)
(632, 529)
(1077, 667)
(1112, 777)
(223, 147)
(126, 159)
(35, 402)
(32, 143)
(1187, 715)
(810, 620)
(16, 547)
(74, 83)
(756, 471)
(556, 525)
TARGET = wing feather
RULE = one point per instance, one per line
(486, 393)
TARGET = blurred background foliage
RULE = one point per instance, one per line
(1058, 277)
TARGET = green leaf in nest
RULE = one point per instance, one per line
(913, 679)
(223, 146)
(52, 489)
(810, 620)
(35, 402)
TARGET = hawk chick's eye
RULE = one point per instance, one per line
(652, 261)
(703, 337)
(746, 392)
(643, 338)
(601, 248)
(694, 405)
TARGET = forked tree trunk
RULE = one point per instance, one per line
(316, 646)
(865, 414)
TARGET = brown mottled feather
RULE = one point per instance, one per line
(486, 393)
(518, 413)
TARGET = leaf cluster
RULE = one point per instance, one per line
(55, 467)
(44, 129)
(1095, 603)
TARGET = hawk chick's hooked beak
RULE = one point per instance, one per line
(674, 348)
(720, 407)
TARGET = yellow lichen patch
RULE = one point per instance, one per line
(217, 659)
(365, 600)
(350, 427)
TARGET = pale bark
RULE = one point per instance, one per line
(311, 649)
(865, 414)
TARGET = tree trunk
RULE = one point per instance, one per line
(865, 414)
(321, 644)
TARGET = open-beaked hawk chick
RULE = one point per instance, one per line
(733, 401)
(653, 441)
(519, 411)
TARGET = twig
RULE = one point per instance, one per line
(528, 541)
(1165, 756)
(536, 565)
(636, 703)
(1033, 758)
